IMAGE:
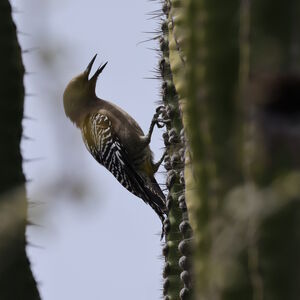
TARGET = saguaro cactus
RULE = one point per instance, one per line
(177, 249)
(236, 71)
(16, 279)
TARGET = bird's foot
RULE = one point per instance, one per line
(158, 117)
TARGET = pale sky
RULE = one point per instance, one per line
(97, 241)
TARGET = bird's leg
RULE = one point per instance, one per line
(155, 121)
(157, 164)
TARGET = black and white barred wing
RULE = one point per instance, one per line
(107, 149)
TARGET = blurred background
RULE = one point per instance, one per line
(93, 239)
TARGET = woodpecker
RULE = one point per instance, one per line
(115, 139)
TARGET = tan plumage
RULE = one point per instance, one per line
(114, 139)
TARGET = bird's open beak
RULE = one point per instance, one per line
(99, 70)
(90, 65)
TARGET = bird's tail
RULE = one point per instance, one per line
(149, 191)
(157, 200)
(155, 196)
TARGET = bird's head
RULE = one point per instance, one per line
(80, 91)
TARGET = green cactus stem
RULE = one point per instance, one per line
(177, 272)
(235, 67)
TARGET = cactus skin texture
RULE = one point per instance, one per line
(16, 279)
(236, 70)
(177, 249)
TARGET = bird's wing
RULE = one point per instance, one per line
(107, 149)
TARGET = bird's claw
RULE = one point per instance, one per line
(160, 109)
(160, 123)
